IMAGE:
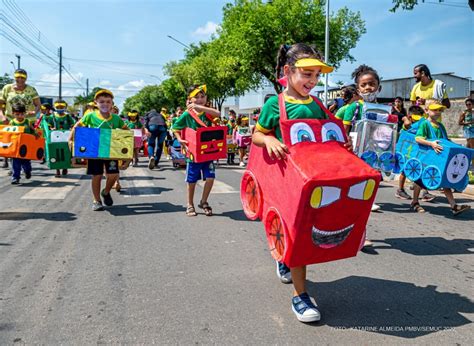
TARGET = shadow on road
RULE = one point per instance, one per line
(144, 190)
(145, 208)
(134, 178)
(5, 244)
(237, 215)
(395, 308)
(431, 208)
(19, 216)
(427, 246)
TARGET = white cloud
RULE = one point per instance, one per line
(206, 30)
(134, 84)
(104, 83)
(47, 78)
(414, 39)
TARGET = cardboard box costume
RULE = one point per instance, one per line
(421, 164)
(107, 144)
(15, 143)
(375, 137)
(316, 203)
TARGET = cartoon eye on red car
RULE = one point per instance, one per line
(315, 204)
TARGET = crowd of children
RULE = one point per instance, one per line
(300, 66)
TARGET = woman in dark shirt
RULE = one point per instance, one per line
(400, 112)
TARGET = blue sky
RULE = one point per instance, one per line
(136, 31)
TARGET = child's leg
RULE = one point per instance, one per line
(207, 189)
(191, 189)
(111, 179)
(95, 184)
(16, 169)
(449, 195)
(416, 194)
(298, 275)
(401, 181)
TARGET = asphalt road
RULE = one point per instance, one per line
(143, 272)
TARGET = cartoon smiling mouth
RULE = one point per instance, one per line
(455, 176)
(5, 145)
(329, 239)
(211, 152)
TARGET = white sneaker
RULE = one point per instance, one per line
(304, 309)
(375, 207)
(242, 164)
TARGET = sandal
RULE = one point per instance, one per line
(206, 207)
(417, 208)
(190, 211)
(458, 209)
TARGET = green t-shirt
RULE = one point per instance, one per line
(186, 120)
(95, 120)
(134, 124)
(424, 130)
(340, 112)
(269, 119)
(25, 123)
(350, 112)
(10, 96)
(61, 121)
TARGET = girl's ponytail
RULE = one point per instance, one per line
(281, 59)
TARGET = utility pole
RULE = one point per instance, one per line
(60, 71)
(87, 87)
(19, 60)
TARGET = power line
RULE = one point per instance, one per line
(115, 62)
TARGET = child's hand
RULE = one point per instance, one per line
(195, 107)
(184, 144)
(348, 145)
(275, 147)
(436, 146)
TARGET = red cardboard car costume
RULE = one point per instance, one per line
(316, 203)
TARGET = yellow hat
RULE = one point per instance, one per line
(196, 91)
(60, 103)
(245, 119)
(436, 107)
(20, 75)
(132, 114)
(312, 62)
(103, 92)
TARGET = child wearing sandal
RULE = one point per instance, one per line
(196, 108)
(301, 66)
(427, 134)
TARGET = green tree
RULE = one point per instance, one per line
(404, 4)
(155, 97)
(83, 100)
(210, 64)
(253, 30)
(4, 80)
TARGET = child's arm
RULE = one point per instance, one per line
(271, 143)
(434, 144)
(198, 108)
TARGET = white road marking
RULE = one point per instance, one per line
(52, 192)
(138, 187)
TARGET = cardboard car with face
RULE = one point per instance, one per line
(206, 143)
(15, 143)
(316, 203)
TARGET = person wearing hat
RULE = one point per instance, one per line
(19, 92)
(90, 107)
(60, 120)
(15, 93)
(134, 123)
(242, 128)
(102, 118)
(428, 134)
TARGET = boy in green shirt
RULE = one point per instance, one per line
(102, 118)
(428, 134)
(195, 171)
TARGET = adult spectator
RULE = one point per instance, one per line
(466, 119)
(155, 130)
(427, 88)
(19, 92)
(399, 110)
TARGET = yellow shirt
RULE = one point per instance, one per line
(425, 92)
